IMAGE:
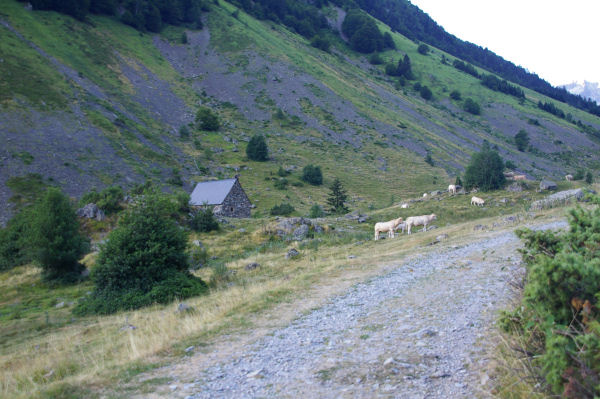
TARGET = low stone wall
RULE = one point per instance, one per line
(558, 199)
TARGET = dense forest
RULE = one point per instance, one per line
(409, 20)
(144, 15)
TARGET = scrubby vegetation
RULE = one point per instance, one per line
(203, 220)
(109, 199)
(558, 319)
(471, 106)
(312, 174)
(283, 209)
(522, 140)
(143, 262)
(207, 119)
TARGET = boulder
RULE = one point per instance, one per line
(301, 232)
(252, 266)
(91, 211)
(184, 308)
(292, 253)
(548, 185)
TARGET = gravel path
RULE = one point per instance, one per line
(420, 331)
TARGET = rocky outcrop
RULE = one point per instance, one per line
(297, 228)
(548, 185)
(91, 211)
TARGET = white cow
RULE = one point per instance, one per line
(423, 220)
(477, 201)
(452, 189)
(387, 226)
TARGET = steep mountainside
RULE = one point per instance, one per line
(94, 103)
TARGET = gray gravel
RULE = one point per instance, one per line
(420, 331)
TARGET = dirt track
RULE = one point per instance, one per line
(420, 330)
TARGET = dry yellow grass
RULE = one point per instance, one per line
(96, 351)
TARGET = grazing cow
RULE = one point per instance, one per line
(569, 177)
(452, 189)
(401, 226)
(387, 226)
(423, 220)
(404, 206)
(477, 201)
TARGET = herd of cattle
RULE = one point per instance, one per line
(391, 226)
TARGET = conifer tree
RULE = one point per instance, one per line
(257, 149)
(54, 239)
(337, 198)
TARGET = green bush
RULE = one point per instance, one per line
(207, 119)
(426, 92)
(455, 95)
(316, 211)
(522, 140)
(429, 160)
(579, 174)
(109, 199)
(175, 179)
(257, 149)
(54, 239)
(143, 261)
(13, 241)
(184, 131)
(282, 210)
(589, 179)
(510, 165)
(471, 106)
(281, 183)
(312, 174)
(320, 42)
(423, 49)
(559, 315)
(375, 59)
(203, 220)
(485, 170)
(282, 172)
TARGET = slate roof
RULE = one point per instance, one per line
(211, 192)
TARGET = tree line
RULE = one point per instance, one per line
(409, 20)
(144, 15)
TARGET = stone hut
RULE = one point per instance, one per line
(226, 196)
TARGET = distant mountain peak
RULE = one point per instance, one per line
(584, 89)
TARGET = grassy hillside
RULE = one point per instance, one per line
(98, 103)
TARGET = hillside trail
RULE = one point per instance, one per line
(422, 329)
